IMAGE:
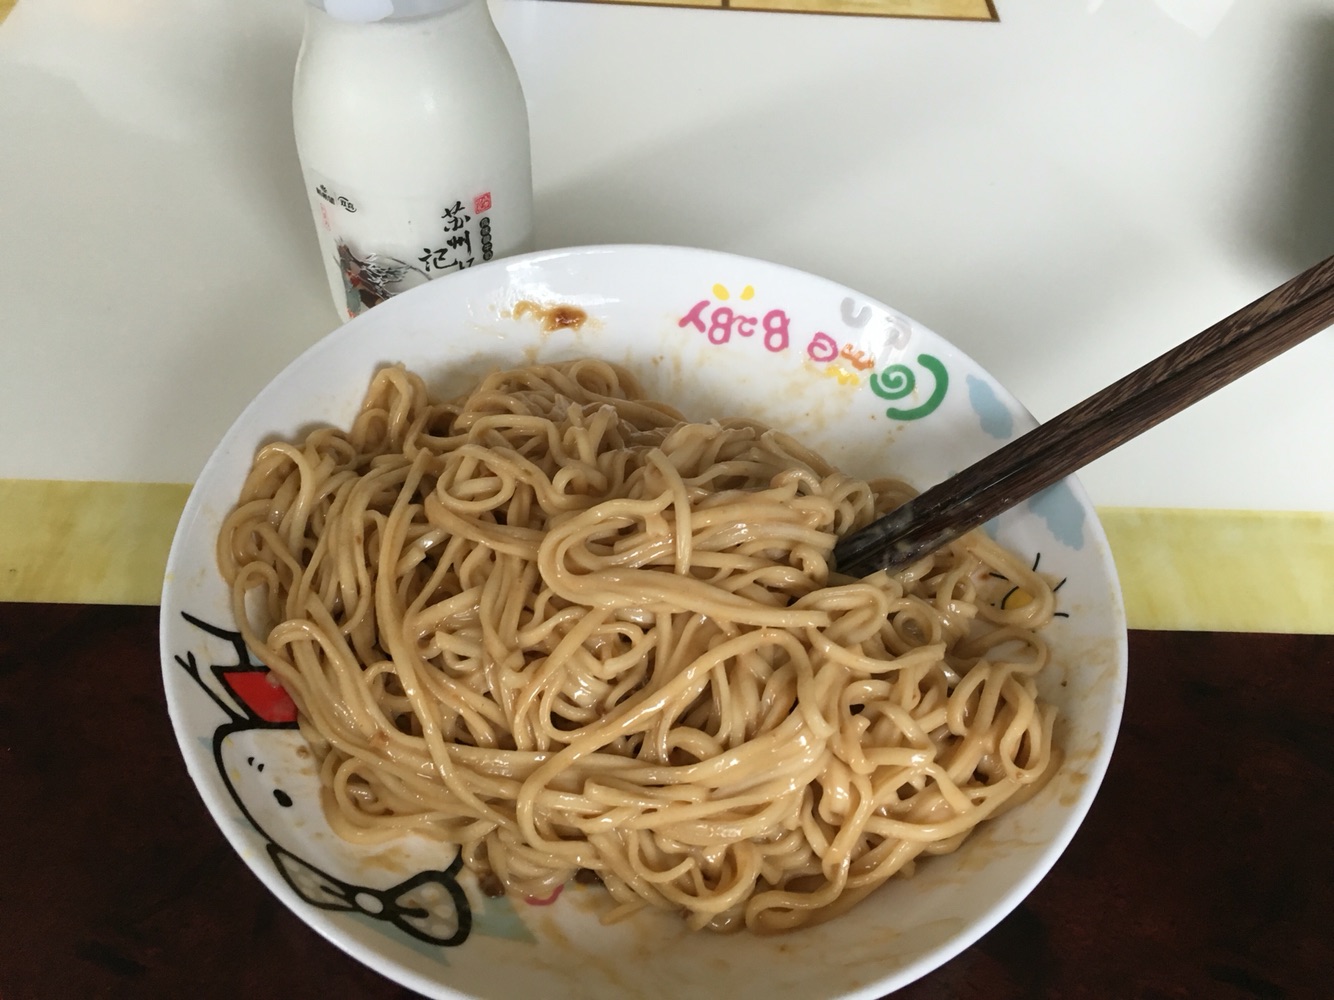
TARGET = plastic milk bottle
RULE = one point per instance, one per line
(412, 133)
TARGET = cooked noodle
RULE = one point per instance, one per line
(556, 624)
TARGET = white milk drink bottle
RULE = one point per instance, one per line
(412, 133)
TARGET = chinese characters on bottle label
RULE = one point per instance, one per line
(373, 264)
(455, 251)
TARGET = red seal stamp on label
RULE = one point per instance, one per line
(482, 203)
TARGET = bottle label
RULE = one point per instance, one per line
(376, 251)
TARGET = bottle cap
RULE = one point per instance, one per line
(367, 11)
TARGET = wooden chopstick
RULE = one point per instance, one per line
(1224, 352)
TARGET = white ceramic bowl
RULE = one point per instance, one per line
(716, 335)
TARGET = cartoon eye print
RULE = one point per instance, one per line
(1017, 597)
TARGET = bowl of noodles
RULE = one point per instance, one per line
(502, 638)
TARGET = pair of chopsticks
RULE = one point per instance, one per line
(1257, 333)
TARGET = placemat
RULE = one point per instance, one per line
(950, 10)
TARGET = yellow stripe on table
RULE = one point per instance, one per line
(1224, 570)
(1215, 570)
(86, 543)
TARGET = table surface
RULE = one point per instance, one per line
(1064, 193)
(1203, 869)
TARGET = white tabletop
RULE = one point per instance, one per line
(1065, 194)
